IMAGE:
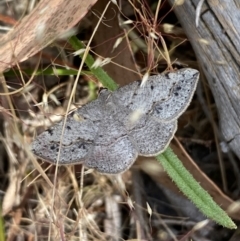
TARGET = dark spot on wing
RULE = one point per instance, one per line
(130, 104)
(69, 127)
(158, 109)
(54, 147)
(96, 121)
(152, 87)
(178, 88)
(82, 146)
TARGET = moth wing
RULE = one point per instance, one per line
(151, 137)
(79, 134)
(181, 94)
(113, 151)
(138, 96)
(165, 96)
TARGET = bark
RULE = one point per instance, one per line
(216, 42)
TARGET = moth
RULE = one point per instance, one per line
(110, 132)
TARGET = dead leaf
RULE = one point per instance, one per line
(48, 20)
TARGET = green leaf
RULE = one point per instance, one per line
(192, 189)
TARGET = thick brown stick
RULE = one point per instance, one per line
(216, 42)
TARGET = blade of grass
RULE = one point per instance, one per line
(47, 71)
(2, 230)
(98, 72)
